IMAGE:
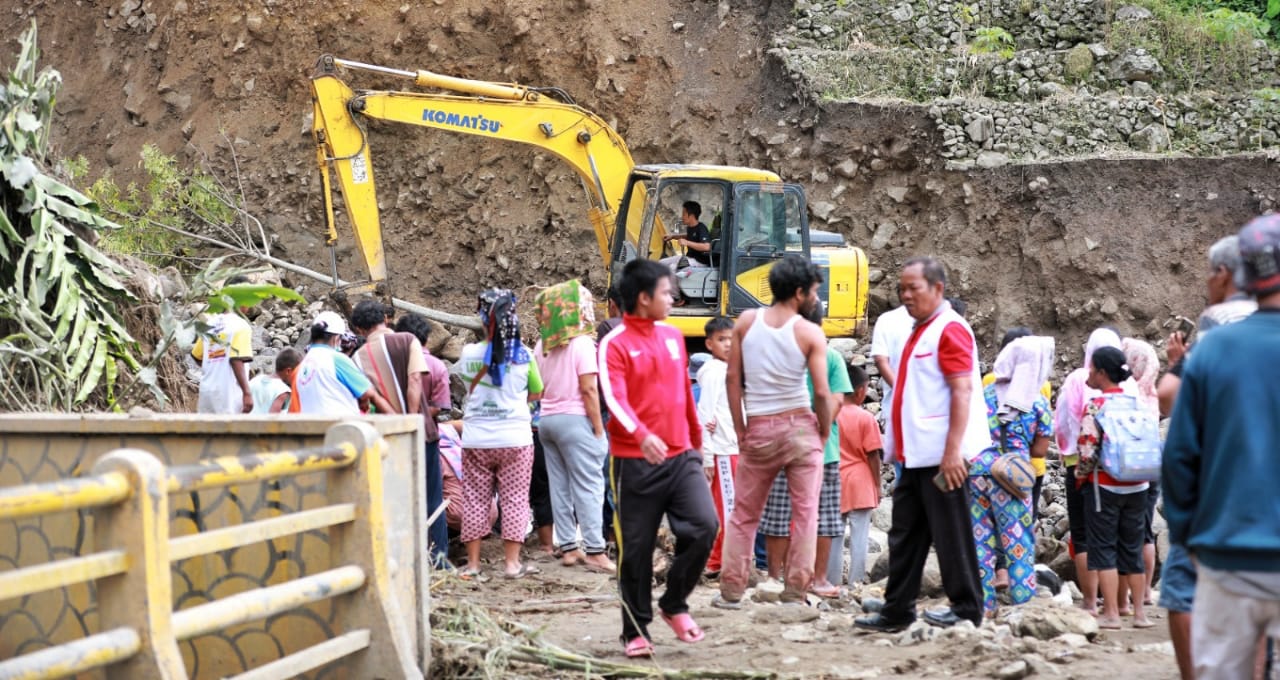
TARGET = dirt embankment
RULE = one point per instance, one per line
(1094, 242)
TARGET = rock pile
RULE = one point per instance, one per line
(1203, 123)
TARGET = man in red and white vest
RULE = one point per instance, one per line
(939, 423)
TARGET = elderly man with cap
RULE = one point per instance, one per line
(328, 382)
(1220, 473)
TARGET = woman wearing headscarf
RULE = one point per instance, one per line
(1072, 399)
(570, 426)
(497, 438)
(1145, 366)
(1022, 425)
(1115, 511)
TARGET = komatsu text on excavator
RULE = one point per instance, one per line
(754, 217)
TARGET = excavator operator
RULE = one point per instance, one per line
(696, 237)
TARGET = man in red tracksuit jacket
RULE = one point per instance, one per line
(654, 438)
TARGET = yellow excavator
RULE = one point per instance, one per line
(755, 218)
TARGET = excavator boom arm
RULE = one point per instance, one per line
(513, 113)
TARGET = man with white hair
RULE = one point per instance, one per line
(1227, 305)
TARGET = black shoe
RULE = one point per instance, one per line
(872, 605)
(943, 618)
(880, 624)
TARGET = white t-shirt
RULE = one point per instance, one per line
(713, 404)
(496, 417)
(329, 383)
(890, 335)
(230, 337)
(265, 388)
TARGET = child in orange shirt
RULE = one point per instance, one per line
(860, 455)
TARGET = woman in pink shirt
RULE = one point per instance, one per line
(570, 427)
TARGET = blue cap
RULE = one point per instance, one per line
(696, 361)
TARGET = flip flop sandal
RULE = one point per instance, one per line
(473, 575)
(832, 593)
(684, 627)
(599, 568)
(638, 648)
(525, 570)
(573, 561)
(720, 603)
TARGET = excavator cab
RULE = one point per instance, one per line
(769, 221)
(758, 223)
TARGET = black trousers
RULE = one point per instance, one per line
(1116, 525)
(923, 515)
(540, 487)
(642, 494)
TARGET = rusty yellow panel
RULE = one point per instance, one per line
(310, 658)
(262, 530)
(67, 659)
(260, 603)
(66, 494)
(209, 474)
(52, 575)
(45, 448)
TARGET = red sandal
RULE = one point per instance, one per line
(638, 648)
(683, 625)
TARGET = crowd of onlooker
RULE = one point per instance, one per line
(758, 455)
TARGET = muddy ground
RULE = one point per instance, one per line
(576, 610)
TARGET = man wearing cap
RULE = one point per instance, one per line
(328, 382)
(1220, 473)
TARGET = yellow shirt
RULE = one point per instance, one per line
(1047, 390)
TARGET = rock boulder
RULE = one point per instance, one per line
(1046, 622)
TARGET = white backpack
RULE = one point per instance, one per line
(1131, 447)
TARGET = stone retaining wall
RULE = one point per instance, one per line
(940, 26)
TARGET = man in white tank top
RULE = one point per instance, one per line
(777, 427)
(939, 423)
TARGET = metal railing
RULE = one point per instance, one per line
(128, 492)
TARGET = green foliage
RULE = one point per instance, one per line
(1194, 51)
(248, 295)
(992, 40)
(966, 14)
(61, 337)
(171, 198)
(1228, 25)
(1267, 11)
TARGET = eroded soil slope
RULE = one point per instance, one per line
(225, 83)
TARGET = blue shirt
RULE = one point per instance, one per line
(1221, 473)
